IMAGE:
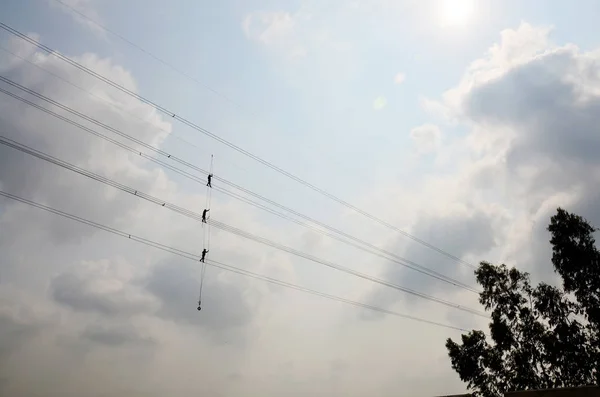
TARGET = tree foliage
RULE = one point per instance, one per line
(541, 337)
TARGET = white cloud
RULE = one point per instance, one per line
(103, 287)
(302, 46)
(437, 109)
(517, 48)
(275, 29)
(534, 105)
(531, 109)
(427, 137)
(77, 8)
(268, 27)
(129, 312)
(105, 293)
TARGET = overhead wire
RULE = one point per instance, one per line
(140, 48)
(195, 258)
(397, 259)
(155, 57)
(348, 239)
(229, 144)
(408, 263)
(222, 226)
(108, 102)
(343, 269)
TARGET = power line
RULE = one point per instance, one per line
(194, 257)
(332, 265)
(363, 245)
(198, 217)
(95, 121)
(408, 263)
(140, 48)
(88, 92)
(155, 57)
(229, 144)
(394, 258)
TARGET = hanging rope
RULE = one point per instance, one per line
(205, 233)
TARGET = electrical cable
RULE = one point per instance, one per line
(109, 103)
(140, 48)
(229, 144)
(25, 149)
(216, 264)
(405, 262)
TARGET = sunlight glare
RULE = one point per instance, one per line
(456, 12)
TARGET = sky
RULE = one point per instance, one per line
(463, 123)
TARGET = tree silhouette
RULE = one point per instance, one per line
(541, 337)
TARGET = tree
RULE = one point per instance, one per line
(541, 337)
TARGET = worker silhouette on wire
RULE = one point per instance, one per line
(204, 252)
(204, 213)
(209, 184)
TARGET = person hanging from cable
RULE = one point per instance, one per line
(209, 184)
(204, 252)
(204, 213)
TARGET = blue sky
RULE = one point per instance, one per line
(298, 113)
(467, 135)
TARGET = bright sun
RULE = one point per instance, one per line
(455, 12)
